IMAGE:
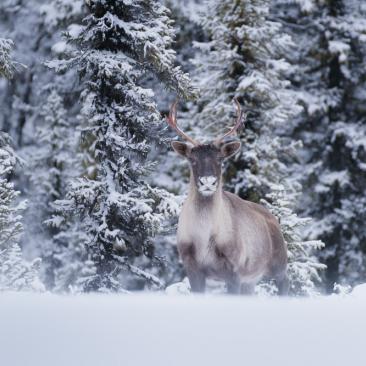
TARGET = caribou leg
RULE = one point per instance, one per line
(233, 286)
(196, 277)
(247, 288)
(197, 280)
(283, 284)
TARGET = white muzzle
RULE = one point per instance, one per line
(207, 185)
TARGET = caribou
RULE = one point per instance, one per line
(221, 235)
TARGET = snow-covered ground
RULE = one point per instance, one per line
(143, 329)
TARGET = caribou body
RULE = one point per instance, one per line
(220, 235)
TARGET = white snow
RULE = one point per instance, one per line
(340, 48)
(306, 5)
(328, 178)
(60, 47)
(144, 329)
(359, 292)
(75, 30)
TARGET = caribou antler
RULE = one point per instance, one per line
(172, 122)
(234, 130)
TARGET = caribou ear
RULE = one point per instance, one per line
(230, 149)
(181, 148)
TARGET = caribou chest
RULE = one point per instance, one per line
(208, 229)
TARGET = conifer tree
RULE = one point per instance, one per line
(52, 163)
(244, 59)
(6, 65)
(29, 118)
(20, 94)
(15, 272)
(186, 15)
(330, 82)
(119, 44)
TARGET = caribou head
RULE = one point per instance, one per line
(206, 159)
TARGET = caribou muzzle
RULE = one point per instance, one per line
(207, 185)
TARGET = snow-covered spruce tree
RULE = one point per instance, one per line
(31, 24)
(186, 15)
(56, 162)
(6, 65)
(304, 270)
(24, 115)
(32, 28)
(15, 272)
(244, 58)
(50, 165)
(330, 79)
(119, 43)
(21, 22)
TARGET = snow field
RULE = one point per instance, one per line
(144, 329)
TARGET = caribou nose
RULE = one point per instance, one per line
(208, 181)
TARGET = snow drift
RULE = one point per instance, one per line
(143, 329)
